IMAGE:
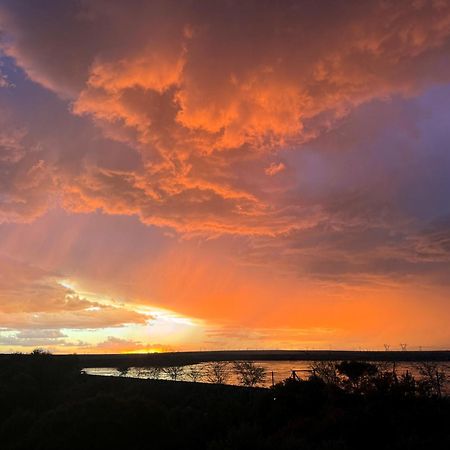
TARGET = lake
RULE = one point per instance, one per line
(280, 369)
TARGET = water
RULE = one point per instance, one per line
(280, 369)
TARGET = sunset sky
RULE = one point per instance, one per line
(179, 175)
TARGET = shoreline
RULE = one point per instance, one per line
(186, 358)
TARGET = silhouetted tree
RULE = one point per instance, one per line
(173, 372)
(123, 370)
(433, 379)
(195, 373)
(40, 352)
(248, 373)
(153, 372)
(406, 384)
(326, 370)
(357, 373)
(217, 372)
(140, 372)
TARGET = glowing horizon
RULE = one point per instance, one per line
(180, 175)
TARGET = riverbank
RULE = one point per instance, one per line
(186, 358)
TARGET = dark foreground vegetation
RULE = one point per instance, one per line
(46, 403)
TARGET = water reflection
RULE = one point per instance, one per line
(275, 371)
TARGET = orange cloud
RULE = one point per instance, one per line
(203, 95)
(274, 168)
(26, 179)
(262, 86)
(33, 298)
(118, 345)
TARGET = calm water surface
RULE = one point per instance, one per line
(280, 369)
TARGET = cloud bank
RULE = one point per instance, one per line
(208, 94)
(308, 141)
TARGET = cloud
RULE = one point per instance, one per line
(432, 244)
(274, 168)
(117, 345)
(36, 334)
(204, 95)
(264, 84)
(4, 81)
(32, 298)
(231, 337)
(25, 180)
(37, 339)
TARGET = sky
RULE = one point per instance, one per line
(191, 175)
